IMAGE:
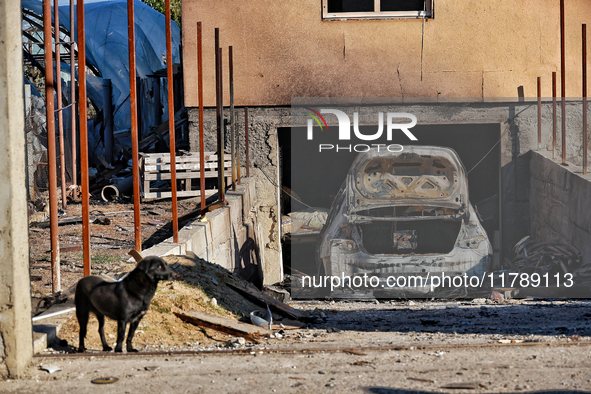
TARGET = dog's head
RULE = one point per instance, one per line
(155, 268)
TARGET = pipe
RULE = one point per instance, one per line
(134, 130)
(51, 154)
(584, 99)
(123, 187)
(554, 114)
(48, 315)
(108, 117)
(73, 93)
(171, 130)
(60, 116)
(246, 141)
(219, 114)
(562, 81)
(539, 113)
(83, 138)
(232, 129)
(201, 147)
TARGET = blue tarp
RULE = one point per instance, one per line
(107, 45)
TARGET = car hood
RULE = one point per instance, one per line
(428, 176)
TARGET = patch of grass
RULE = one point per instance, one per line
(156, 307)
(103, 258)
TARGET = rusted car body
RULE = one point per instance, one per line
(404, 214)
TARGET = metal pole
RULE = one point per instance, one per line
(554, 114)
(232, 128)
(134, 131)
(60, 117)
(246, 141)
(219, 114)
(562, 81)
(73, 93)
(171, 131)
(539, 113)
(584, 99)
(221, 157)
(83, 138)
(201, 147)
(51, 155)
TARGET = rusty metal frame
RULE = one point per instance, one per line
(584, 43)
(539, 113)
(232, 127)
(201, 136)
(60, 117)
(134, 131)
(246, 141)
(563, 82)
(171, 127)
(51, 153)
(73, 94)
(85, 186)
(554, 114)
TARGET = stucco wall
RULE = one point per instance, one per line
(284, 49)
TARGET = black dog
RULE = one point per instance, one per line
(125, 301)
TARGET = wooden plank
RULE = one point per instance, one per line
(262, 299)
(222, 324)
(186, 166)
(180, 193)
(153, 157)
(159, 176)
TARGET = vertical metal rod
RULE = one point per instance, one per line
(232, 128)
(73, 94)
(220, 115)
(246, 141)
(134, 130)
(201, 137)
(51, 155)
(221, 157)
(237, 156)
(554, 114)
(60, 117)
(83, 138)
(584, 99)
(562, 81)
(171, 130)
(539, 113)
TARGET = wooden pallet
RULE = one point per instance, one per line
(156, 167)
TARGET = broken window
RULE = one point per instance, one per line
(376, 9)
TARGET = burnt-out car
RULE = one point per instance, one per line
(405, 215)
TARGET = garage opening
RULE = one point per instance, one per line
(311, 181)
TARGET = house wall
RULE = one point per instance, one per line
(284, 49)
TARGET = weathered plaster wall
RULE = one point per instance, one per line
(263, 124)
(284, 49)
(16, 335)
(560, 198)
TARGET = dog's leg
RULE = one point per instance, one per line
(82, 315)
(132, 327)
(120, 335)
(101, 329)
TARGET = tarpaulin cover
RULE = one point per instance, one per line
(107, 45)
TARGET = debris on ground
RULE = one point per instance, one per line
(204, 295)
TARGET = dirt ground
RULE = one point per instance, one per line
(110, 243)
(390, 347)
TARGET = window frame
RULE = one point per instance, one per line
(343, 16)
